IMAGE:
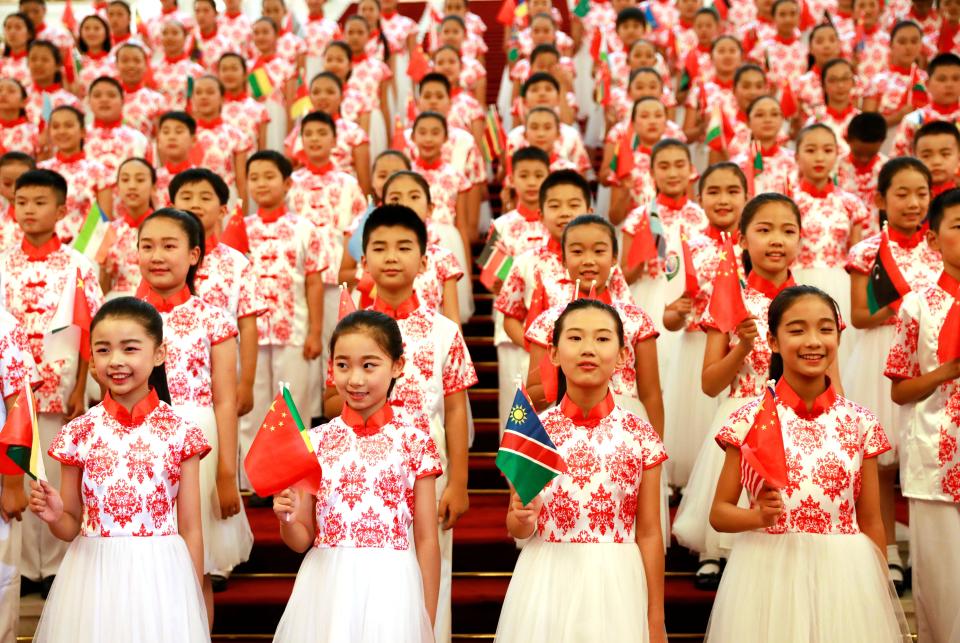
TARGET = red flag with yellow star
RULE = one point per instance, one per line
(726, 304)
(763, 460)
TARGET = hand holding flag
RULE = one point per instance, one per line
(726, 304)
(527, 456)
(763, 461)
(20, 449)
(886, 286)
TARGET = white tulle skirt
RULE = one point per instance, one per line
(576, 592)
(689, 411)
(356, 595)
(836, 283)
(451, 240)
(583, 82)
(691, 525)
(125, 589)
(865, 384)
(226, 543)
(800, 588)
(379, 139)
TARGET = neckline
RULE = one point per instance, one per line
(373, 424)
(163, 304)
(136, 415)
(592, 417)
(821, 404)
(404, 310)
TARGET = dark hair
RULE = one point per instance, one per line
(270, 21)
(746, 68)
(668, 144)
(318, 117)
(809, 129)
(936, 128)
(823, 25)
(416, 177)
(827, 66)
(44, 179)
(719, 39)
(947, 59)
(147, 316)
(72, 110)
(220, 86)
(640, 101)
(212, 4)
(23, 94)
(395, 216)
(773, 9)
(435, 77)
(644, 70)
(781, 304)
(383, 40)
(574, 306)
(539, 77)
(28, 23)
(55, 52)
(425, 115)
(272, 156)
(710, 11)
(750, 211)
(342, 46)
(82, 46)
(718, 167)
(869, 127)
(397, 153)
(191, 226)
(590, 219)
(543, 110)
(544, 16)
(180, 117)
(121, 3)
(891, 169)
(543, 49)
(22, 158)
(564, 177)
(530, 153)
(453, 18)
(905, 24)
(135, 46)
(631, 14)
(328, 75)
(230, 54)
(447, 48)
(199, 175)
(381, 328)
(107, 80)
(938, 208)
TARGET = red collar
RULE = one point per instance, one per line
(723, 84)
(40, 28)
(945, 109)
(269, 216)
(553, 245)
(903, 71)
(49, 89)
(35, 253)
(940, 188)
(845, 14)
(821, 404)
(767, 288)
(530, 215)
(430, 165)
(134, 223)
(686, 24)
(210, 243)
(863, 168)
(319, 170)
(593, 417)
(162, 304)
(742, 116)
(70, 158)
(230, 97)
(210, 124)
(131, 89)
(174, 60)
(358, 58)
(403, 311)
(108, 124)
(764, 20)
(388, 15)
(949, 284)
(839, 116)
(18, 55)
(672, 203)
(771, 151)
(177, 168)
(20, 120)
(97, 55)
(604, 295)
(703, 49)
(169, 11)
(210, 36)
(372, 425)
(785, 41)
(137, 414)
(263, 60)
(907, 240)
(869, 31)
(317, 18)
(810, 189)
(118, 39)
(233, 16)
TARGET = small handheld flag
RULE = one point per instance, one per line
(623, 161)
(301, 103)
(494, 261)
(69, 330)
(726, 304)
(719, 131)
(582, 8)
(95, 236)
(260, 83)
(527, 456)
(649, 241)
(763, 460)
(494, 139)
(652, 22)
(69, 19)
(418, 66)
(20, 450)
(346, 302)
(235, 233)
(506, 13)
(886, 286)
(691, 70)
(788, 102)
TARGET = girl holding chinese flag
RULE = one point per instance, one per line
(805, 566)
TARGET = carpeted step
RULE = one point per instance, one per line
(483, 402)
(484, 473)
(479, 326)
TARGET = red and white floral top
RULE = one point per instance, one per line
(19, 135)
(446, 185)
(326, 196)
(238, 28)
(705, 253)
(122, 263)
(113, 143)
(221, 142)
(679, 217)
(369, 472)
(825, 449)
(570, 145)
(291, 46)
(397, 28)
(889, 88)
(349, 137)
(459, 151)
(318, 33)
(142, 107)
(16, 360)
(86, 178)
(828, 217)
(929, 457)
(213, 46)
(903, 141)
(861, 181)
(226, 279)
(171, 76)
(155, 25)
(15, 66)
(279, 70)
(606, 449)
(365, 79)
(520, 230)
(245, 114)
(838, 121)
(93, 67)
(10, 232)
(875, 56)
(464, 110)
(442, 265)
(779, 169)
(131, 466)
(786, 59)
(55, 95)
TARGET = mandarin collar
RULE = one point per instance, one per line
(211, 123)
(863, 168)
(716, 234)
(174, 59)
(270, 216)
(785, 41)
(950, 284)
(672, 203)
(817, 193)
(945, 109)
(131, 89)
(49, 89)
(821, 404)
(372, 425)
(39, 253)
(404, 310)
(388, 15)
(358, 58)
(907, 241)
(97, 55)
(429, 165)
(530, 215)
(136, 415)
(317, 18)
(320, 170)
(18, 55)
(177, 168)
(130, 221)
(940, 188)
(162, 304)
(231, 97)
(553, 246)
(766, 287)
(903, 71)
(768, 152)
(593, 417)
(212, 34)
(839, 115)
(210, 243)
(107, 124)
(70, 158)
(19, 120)
(232, 15)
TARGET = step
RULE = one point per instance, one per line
(483, 471)
(487, 373)
(484, 402)
(481, 325)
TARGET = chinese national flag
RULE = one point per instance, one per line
(398, 142)
(418, 66)
(346, 303)
(82, 317)
(644, 246)
(726, 303)
(69, 19)
(948, 344)
(788, 102)
(691, 282)
(20, 450)
(625, 160)
(762, 457)
(235, 233)
(506, 14)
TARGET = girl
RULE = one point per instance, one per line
(18, 33)
(363, 581)
(811, 545)
(173, 71)
(142, 106)
(282, 74)
(784, 53)
(644, 81)
(749, 84)
(648, 119)
(17, 132)
(808, 90)
(726, 54)
(557, 589)
(777, 165)
(239, 108)
(108, 140)
(94, 45)
(376, 44)
(839, 106)
(225, 148)
(369, 78)
(209, 39)
(466, 111)
(903, 195)
(886, 92)
(290, 46)
(338, 60)
(723, 193)
(119, 18)
(201, 351)
(120, 271)
(130, 488)
(46, 81)
(90, 181)
(871, 52)
(318, 32)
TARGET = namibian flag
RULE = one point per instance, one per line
(762, 457)
(886, 286)
(527, 455)
(20, 450)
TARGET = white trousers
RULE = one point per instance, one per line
(934, 539)
(10, 542)
(512, 361)
(42, 551)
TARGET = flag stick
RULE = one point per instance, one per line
(576, 290)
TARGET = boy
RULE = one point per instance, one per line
(12, 165)
(37, 275)
(929, 460)
(36, 10)
(226, 278)
(224, 147)
(937, 144)
(943, 87)
(857, 172)
(438, 368)
(176, 141)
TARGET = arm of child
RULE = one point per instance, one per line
(348, 267)
(721, 362)
(726, 516)
(105, 284)
(474, 198)
(76, 401)
(249, 346)
(188, 512)
(454, 501)
(451, 301)
(105, 201)
(868, 504)
(860, 315)
(62, 510)
(426, 541)
(914, 389)
(385, 105)
(675, 314)
(619, 206)
(522, 519)
(833, 372)
(462, 220)
(535, 389)
(240, 170)
(223, 379)
(649, 539)
(313, 346)
(261, 138)
(513, 327)
(361, 165)
(648, 382)
(294, 509)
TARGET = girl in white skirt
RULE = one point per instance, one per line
(361, 581)
(201, 346)
(369, 78)
(903, 195)
(129, 500)
(592, 565)
(806, 565)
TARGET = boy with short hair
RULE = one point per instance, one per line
(858, 171)
(176, 140)
(943, 87)
(12, 165)
(543, 90)
(937, 144)
(37, 275)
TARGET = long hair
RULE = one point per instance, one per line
(582, 304)
(781, 304)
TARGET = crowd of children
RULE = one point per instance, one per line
(188, 198)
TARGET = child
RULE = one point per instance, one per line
(290, 46)
(119, 19)
(36, 276)
(174, 70)
(727, 57)
(318, 32)
(94, 45)
(391, 591)
(169, 12)
(46, 81)
(142, 106)
(465, 108)
(226, 278)
(568, 560)
(822, 528)
(636, 186)
(176, 148)
(926, 386)
(369, 78)
(784, 54)
(886, 92)
(857, 172)
(225, 148)
(109, 140)
(201, 354)
(18, 133)
(749, 84)
(871, 50)
(542, 90)
(36, 10)
(90, 181)
(777, 164)
(437, 373)
(903, 196)
(937, 144)
(12, 165)
(120, 271)
(18, 33)
(943, 87)
(839, 108)
(807, 88)
(236, 25)
(211, 42)
(139, 522)
(282, 75)
(239, 108)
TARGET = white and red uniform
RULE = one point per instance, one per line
(779, 168)
(165, 174)
(326, 196)
(838, 121)
(890, 87)
(246, 114)
(113, 143)
(446, 185)
(861, 180)
(903, 141)
(238, 28)
(212, 46)
(93, 66)
(19, 135)
(122, 263)
(15, 66)
(47, 99)
(155, 25)
(290, 47)
(349, 137)
(569, 145)
(397, 28)
(172, 76)
(10, 231)
(318, 32)
(221, 143)
(86, 178)
(228, 280)
(366, 77)
(785, 59)
(55, 34)
(142, 107)
(875, 56)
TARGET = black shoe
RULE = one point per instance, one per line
(708, 579)
(28, 586)
(259, 501)
(45, 586)
(898, 576)
(219, 584)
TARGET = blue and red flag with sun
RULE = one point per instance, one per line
(527, 455)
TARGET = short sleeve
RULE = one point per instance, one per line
(194, 443)
(645, 326)
(633, 220)
(316, 255)
(104, 178)
(428, 462)
(250, 301)
(16, 360)
(859, 213)
(902, 360)
(458, 372)
(861, 257)
(652, 451)
(510, 299)
(66, 446)
(875, 439)
(447, 265)
(221, 326)
(540, 331)
(738, 424)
